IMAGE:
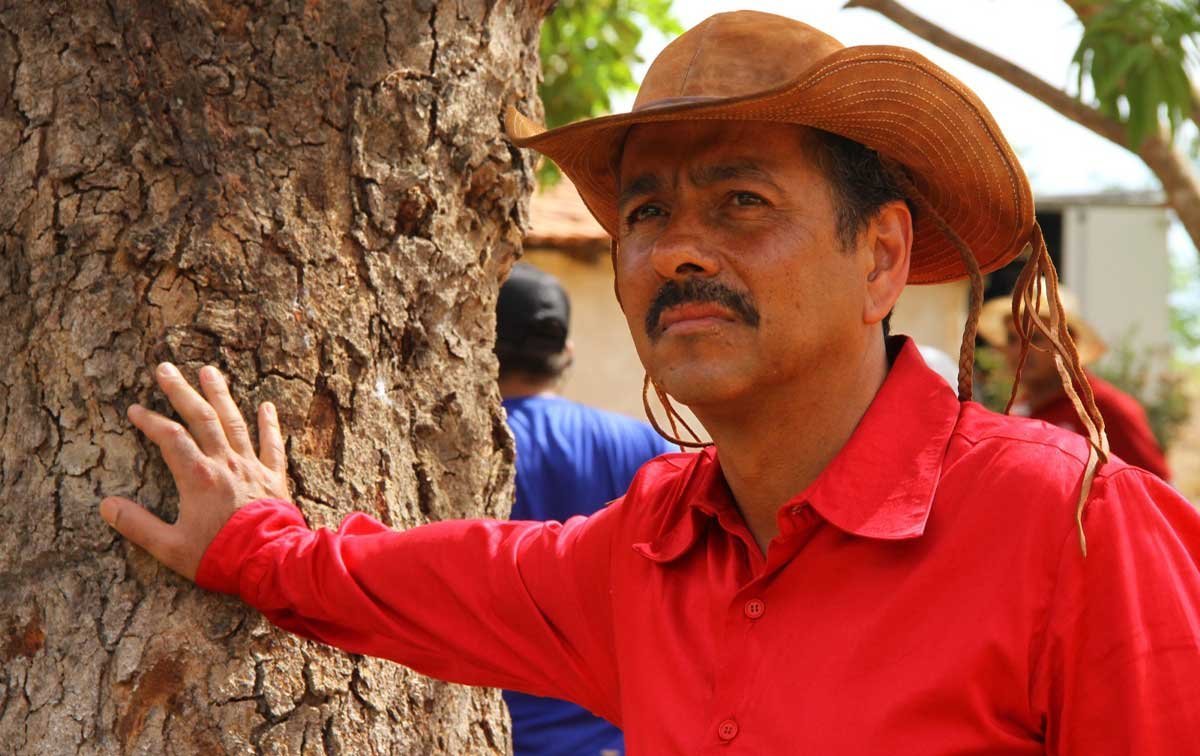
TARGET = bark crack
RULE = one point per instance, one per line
(12, 82)
(387, 35)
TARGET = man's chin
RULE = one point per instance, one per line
(701, 388)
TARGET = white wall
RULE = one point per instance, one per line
(1115, 260)
(933, 315)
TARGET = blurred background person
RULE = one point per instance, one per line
(1041, 395)
(571, 460)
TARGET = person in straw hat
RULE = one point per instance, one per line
(862, 562)
(1041, 395)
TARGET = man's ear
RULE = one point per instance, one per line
(887, 249)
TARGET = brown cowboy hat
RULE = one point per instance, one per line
(750, 66)
(996, 316)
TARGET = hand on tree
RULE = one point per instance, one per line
(214, 465)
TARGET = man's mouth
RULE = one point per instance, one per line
(693, 317)
(697, 304)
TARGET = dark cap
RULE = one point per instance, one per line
(532, 313)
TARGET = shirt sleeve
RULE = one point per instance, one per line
(518, 605)
(1132, 440)
(1119, 667)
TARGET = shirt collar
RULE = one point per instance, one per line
(880, 485)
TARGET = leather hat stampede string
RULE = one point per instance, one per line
(966, 353)
(674, 419)
(1038, 281)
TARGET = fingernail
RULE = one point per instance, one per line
(209, 373)
(167, 369)
(107, 511)
(270, 410)
(129, 411)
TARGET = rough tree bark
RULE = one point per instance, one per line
(1172, 168)
(317, 198)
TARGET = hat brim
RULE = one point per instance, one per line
(996, 313)
(890, 99)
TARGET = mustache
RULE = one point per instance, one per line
(699, 291)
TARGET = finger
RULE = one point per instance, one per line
(270, 439)
(199, 415)
(142, 528)
(217, 393)
(179, 450)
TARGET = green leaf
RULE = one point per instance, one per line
(580, 78)
(1136, 55)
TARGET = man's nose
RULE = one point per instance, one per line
(681, 251)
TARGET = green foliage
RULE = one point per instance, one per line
(994, 379)
(1185, 329)
(1162, 393)
(1136, 54)
(588, 49)
(1184, 305)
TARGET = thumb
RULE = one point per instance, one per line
(144, 529)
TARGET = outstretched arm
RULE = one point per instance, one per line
(524, 606)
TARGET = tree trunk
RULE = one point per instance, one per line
(1172, 168)
(317, 197)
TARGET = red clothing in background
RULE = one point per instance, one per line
(1129, 434)
(927, 594)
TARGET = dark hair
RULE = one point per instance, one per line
(533, 364)
(860, 183)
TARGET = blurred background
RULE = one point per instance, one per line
(1098, 97)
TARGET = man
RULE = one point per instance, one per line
(1041, 392)
(861, 563)
(571, 460)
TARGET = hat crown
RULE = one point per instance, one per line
(731, 55)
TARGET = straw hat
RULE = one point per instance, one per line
(997, 314)
(750, 66)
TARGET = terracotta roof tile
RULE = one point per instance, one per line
(560, 220)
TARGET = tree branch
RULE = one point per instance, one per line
(1168, 164)
(1085, 9)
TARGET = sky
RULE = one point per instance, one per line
(1059, 156)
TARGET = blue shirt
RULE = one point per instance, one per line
(571, 460)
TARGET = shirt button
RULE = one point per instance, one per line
(754, 608)
(727, 730)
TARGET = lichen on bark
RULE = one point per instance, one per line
(317, 198)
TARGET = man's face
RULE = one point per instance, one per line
(730, 270)
(1039, 369)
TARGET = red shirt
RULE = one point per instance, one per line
(926, 595)
(1129, 432)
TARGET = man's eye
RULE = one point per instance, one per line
(643, 212)
(748, 199)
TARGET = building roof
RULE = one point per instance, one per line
(1109, 198)
(558, 219)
